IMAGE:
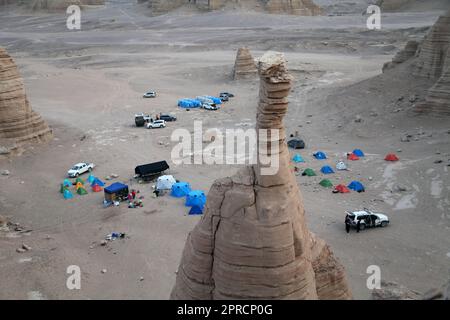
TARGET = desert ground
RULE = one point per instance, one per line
(88, 85)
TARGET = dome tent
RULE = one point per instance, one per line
(341, 165)
(356, 186)
(358, 153)
(309, 172)
(327, 170)
(196, 198)
(298, 158)
(180, 189)
(97, 182)
(326, 183)
(67, 183)
(352, 157)
(82, 191)
(195, 210)
(391, 157)
(67, 194)
(165, 182)
(79, 180)
(341, 189)
(319, 155)
(91, 178)
(96, 188)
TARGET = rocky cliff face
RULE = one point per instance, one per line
(244, 67)
(430, 59)
(58, 5)
(19, 124)
(295, 7)
(253, 241)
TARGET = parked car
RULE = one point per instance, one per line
(150, 94)
(156, 124)
(79, 169)
(208, 106)
(367, 218)
(141, 119)
(167, 117)
(226, 94)
(296, 144)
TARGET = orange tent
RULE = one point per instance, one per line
(79, 185)
(352, 157)
(341, 189)
(391, 157)
(96, 188)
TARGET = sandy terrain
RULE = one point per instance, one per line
(88, 85)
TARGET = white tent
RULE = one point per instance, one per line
(341, 166)
(165, 182)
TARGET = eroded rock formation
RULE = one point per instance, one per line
(59, 5)
(430, 59)
(433, 52)
(244, 66)
(19, 124)
(253, 241)
(407, 53)
(395, 291)
(295, 7)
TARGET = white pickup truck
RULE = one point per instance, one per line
(79, 169)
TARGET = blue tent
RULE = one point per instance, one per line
(196, 198)
(358, 152)
(180, 189)
(327, 170)
(320, 155)
(195, 210)
(97, 182)
(357, 186)
(214, 99)
(67, 194)
(67, 183)
(91, 178)
(298, 158)
(189, 103)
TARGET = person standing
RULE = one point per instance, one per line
(358, 226)
(347, 224)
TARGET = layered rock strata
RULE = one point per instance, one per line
(19, 124)
(253, 241)
(244, 66)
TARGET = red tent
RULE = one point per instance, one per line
(391, 157)
(341, 189)
(96, 188)
(352, 157)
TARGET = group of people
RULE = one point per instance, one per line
(348, 224)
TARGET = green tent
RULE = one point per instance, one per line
(63, 188)
(79, 180)
(326, 183)
(309, 172)
(82, 191)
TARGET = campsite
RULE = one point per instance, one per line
(353, 150)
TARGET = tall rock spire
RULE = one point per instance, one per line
(253, 241)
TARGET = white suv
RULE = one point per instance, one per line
(156, 124)
(367, 218)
